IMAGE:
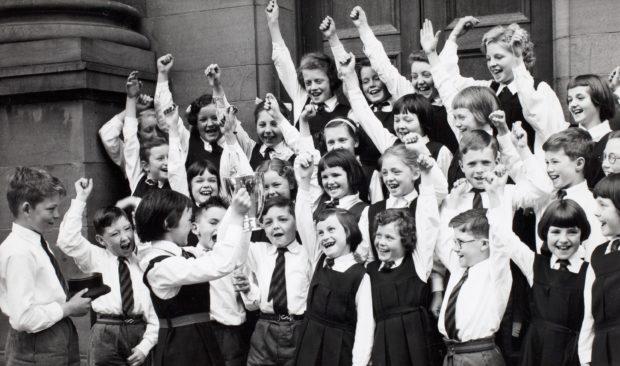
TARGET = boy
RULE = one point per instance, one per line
(227, 311)
(283, 270)
(126, 327)
(33, 292)
(479, 287)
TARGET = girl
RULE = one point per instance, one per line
(272, 142)
(611, 162)
(556, 279)
(599, 333)
(314, 83)
(205, 135)
(178, 278)
(591, 103)
(278, 178)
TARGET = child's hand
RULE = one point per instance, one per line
(229, 120)
(164, 64)
(273, 12)
(133, 85)
(240, 282)
(346, 65)
(83, 188)
(308, 112)
(413, 142)
(358, 16)
(137, 357)
(77, 305)
(304, 162)
(428, 39)
(463, 25)
(272, 107)
(614, 79)
(171, 116)
(516, 42)
(213, 73)
(145, 101)
(498, 119)
(241, 202)
(435, 305)
(425, 162)
(459, 189)
(519, 135)
(328, 27)
(495, 180)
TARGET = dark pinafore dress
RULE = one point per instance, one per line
(606, 307)
(320, 119)
(188, 345)
(142, 188)
(256, 158)
(556, 305)
(328, 331)
(356, 210)
(404, 328)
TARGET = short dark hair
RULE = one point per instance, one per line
(477, 140)
(198, 168)
(609, 187)
(320, 61)
(405, 223)
(213, 201)
(159, 210)
(32, 185)
(146, 146)
(280, 202)
(564, 213)
(576, 143)
(106, 216)
(347, 161)
(194, 108)
(418, 56)
(284, 169)
(348, 222)
(601, 94)
(474, 221)
(420, 106)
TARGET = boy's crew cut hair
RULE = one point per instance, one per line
(106, 216)
(473, 221)
(213, 201)
(32, 185)
(280, 202)
(477, 140)
(576, 143)
(405, 224)
(348, 222)
(159, 210)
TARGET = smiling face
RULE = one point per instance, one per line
(147, 128)
(279, 225)
(204, 186)
(118, 238)
(332, 237)
(608, 215)
(268, 130)
(405, 123)
(475, 164)
(335, 182)
(339, 137)
(208, 124)
(582, 108)
(179, 234)
(563, 242)
(398, 177)
(500, 62)
(317, 85)
(276, 185)
(372, 86)
(612, 153)
(43, 215)
(465, 121)
(157, 166)
(470, 250)
(205, 227)
(422, 78)
(388, 242)
(563, 171)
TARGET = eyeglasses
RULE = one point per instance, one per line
(611, 158)
(458, 244)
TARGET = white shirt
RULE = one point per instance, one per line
(599, 131)
(91, 258)
(168, 276)
(110, 135)
(483, 297)
(30, 293)
(365, 327)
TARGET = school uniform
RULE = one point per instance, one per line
(480, 297)
(594, 170)
(599, 335)
(32, 292)
(556, 304)
(178, 282)
(351, 203)
(125, 317)
(262, 152)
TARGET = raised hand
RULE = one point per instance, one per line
(229, 121)
(519, 135)
(495, 180)
(328, 27)
(428, 38)
(133, 85)
(413, 142)
(358, 16)
(498, 120)
(308, 112)
(273, 12)
(516, 42)
(171, 116)
(463, 25)
(241, 202)
(346, 65)
(83, 188)
(164, 64)
(304, 162)
(614, 79)
(144, 101)
(425, 162)
(459, 189)
(213, 73)
(272, 107)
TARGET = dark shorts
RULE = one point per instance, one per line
(112, 344)
(232, 342)
(274, 342)
(483, 358)
(57, 345)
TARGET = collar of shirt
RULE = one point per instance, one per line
(599, 131)
(279, 149)
(574, 262)
(437, 101)
(294, 247)
(28, 235)
(347, 202)
(397, 262)
(207, 145)
(331, 103)
(167, 246)
(401, 202)
(512, 87)
(611, 241)
(343, 262)
(388, 107)
(577, 189)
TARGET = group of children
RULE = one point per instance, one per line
(405, 222)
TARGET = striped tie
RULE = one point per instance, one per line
(126, 289)
(277, 288)
(450, 318)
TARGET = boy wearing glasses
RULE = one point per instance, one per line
(479, 287)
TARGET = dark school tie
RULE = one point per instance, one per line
(477, 202)
(505, 97)
(187, 255)
(378, 107)
(560, 194)
(150, 182)
(387, 266)
(329, 262)
(333, 203)
(124, 278)
(615, 245)
(61, 278)
(267, 152)
(563, 263)
(320, 107)
(450, 317)
(277, 288)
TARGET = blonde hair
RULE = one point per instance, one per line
(503, 36)
(479, 100)
(400, 151)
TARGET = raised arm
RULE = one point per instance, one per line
(110, 135)
(131, 150)
(177, 175)
(304, 166)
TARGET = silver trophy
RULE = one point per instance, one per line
(254, 185)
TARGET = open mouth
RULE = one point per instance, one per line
(563, 247)
(423, 87)
(328, 243)
(214, 237)
(278, 235)
(374, 91)
(392, 186)
(496, 70)
(383, 251)
(576, 111)
(332, 188)
(125, 246)
(164, 169)
(205, 191)
(315, 93)
(553, 177)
